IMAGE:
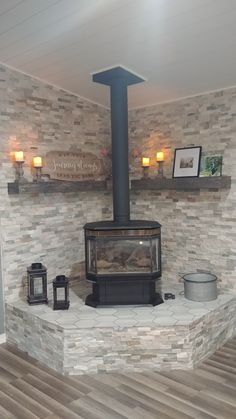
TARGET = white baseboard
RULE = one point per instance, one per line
(3, 338)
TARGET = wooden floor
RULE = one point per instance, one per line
(28, 390)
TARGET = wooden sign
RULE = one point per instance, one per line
(73, 166)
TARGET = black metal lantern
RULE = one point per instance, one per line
(37, 284)
(61, 293)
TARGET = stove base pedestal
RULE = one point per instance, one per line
(123, 292)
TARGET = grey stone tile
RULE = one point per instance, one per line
(106, 311)
(126, 322)
(165, 321)
(146, 321)
(85, 324)
(67, 319)
(87, 315)
(125, 313)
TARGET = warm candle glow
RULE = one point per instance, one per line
(19, 156)
(145, 162)
(160, 156)
(37, 161)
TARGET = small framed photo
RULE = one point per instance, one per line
(211, 166)
(187, 162)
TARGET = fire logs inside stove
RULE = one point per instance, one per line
(123, 257)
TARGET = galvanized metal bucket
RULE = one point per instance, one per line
(200, 286)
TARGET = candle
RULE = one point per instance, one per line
(145, 162)
(160, 156)
(19, 156)
(37, 161)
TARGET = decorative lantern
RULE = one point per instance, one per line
(61, 293)
(37, 284)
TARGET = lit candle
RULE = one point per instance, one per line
(145, 161)
(19, 156)
(160, 156)
(37, 161)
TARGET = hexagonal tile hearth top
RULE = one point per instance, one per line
(179, 311)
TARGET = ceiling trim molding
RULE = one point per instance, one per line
(57, 87)
(179, 99)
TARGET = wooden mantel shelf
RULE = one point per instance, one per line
(55, 186)
(182, 184)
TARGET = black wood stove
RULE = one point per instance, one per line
(123, 257)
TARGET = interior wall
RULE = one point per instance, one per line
(198, 228)
(2, 310)
(37, 118)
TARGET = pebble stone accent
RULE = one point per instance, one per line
(175, 335)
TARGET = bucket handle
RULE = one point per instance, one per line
(182, 274)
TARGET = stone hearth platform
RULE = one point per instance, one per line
(177, 334)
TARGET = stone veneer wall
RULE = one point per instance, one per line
(37, 118)
(79, 350)
(198, 228)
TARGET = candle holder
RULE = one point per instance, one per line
(145, 166)
(160, 163)
(160, 171)
(37, 163)
(19, 171)
(145, 172)
(38, 174)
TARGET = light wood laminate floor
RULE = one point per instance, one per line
(29, 390)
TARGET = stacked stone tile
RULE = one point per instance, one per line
(37, 118)
(198, 228)
(177, 334)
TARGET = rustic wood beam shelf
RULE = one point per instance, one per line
(55, 186)
(182, 184)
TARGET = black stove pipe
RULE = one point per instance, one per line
(120, 152)
(119, 79)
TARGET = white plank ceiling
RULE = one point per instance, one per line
(182, 47)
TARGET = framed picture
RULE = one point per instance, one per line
(187, 162)
(211, 166)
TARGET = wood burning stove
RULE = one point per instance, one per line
(123, 257)
(123, 262)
